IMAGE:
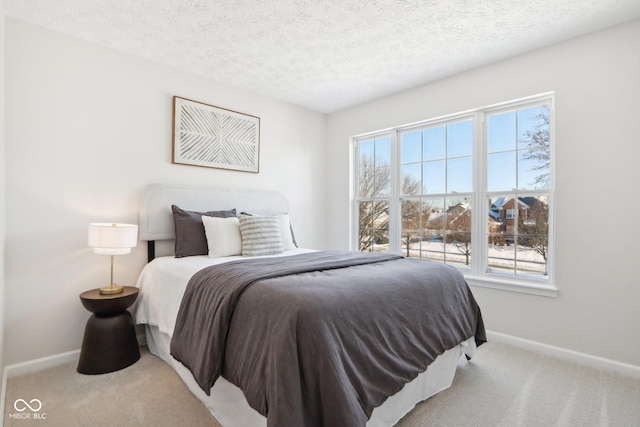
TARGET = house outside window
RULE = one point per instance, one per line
(473, 190)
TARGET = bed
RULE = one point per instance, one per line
(346, 369)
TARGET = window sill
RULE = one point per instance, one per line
(513, 286)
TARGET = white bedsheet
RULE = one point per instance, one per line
(163, 281)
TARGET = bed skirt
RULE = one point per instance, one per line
(229, 406)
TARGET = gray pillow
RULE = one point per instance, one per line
(293, 236)
(190, 237)
(260, 235)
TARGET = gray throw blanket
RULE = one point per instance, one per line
(322, 338)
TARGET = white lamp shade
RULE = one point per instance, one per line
(112, 238)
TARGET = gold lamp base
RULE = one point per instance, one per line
(110, 290)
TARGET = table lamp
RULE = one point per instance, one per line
(112, 239)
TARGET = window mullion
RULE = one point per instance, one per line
(394, 199)
(481, 210)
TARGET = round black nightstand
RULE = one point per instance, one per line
(109, 342)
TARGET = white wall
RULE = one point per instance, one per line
(596, 80)
(87, 128)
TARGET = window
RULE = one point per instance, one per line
(472, 190)
(374, 192)
(518, 142)
(436, 166)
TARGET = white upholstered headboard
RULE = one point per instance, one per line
(156, 218)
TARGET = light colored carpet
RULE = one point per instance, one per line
(508, 387)
(502, 387)
(147, 393)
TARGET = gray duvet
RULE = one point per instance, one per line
(321, 339)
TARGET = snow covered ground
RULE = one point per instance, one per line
(504, 258)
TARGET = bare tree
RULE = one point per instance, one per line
(411, 210)
(534, 229)
(459, 232)
(373, 220)
(538, 140)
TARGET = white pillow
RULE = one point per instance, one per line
(285, 232)
(223, 236)
(260, 235)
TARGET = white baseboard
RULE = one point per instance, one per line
(40, 364)
(51, 361)
(565, 354)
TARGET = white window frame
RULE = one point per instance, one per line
(477, 274)
(354, 235)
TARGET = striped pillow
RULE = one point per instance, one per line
(260, 235)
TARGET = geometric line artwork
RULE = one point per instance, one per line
(205, 135)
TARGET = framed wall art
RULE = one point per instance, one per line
(214, 137)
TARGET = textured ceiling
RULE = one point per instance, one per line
(325, 54)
